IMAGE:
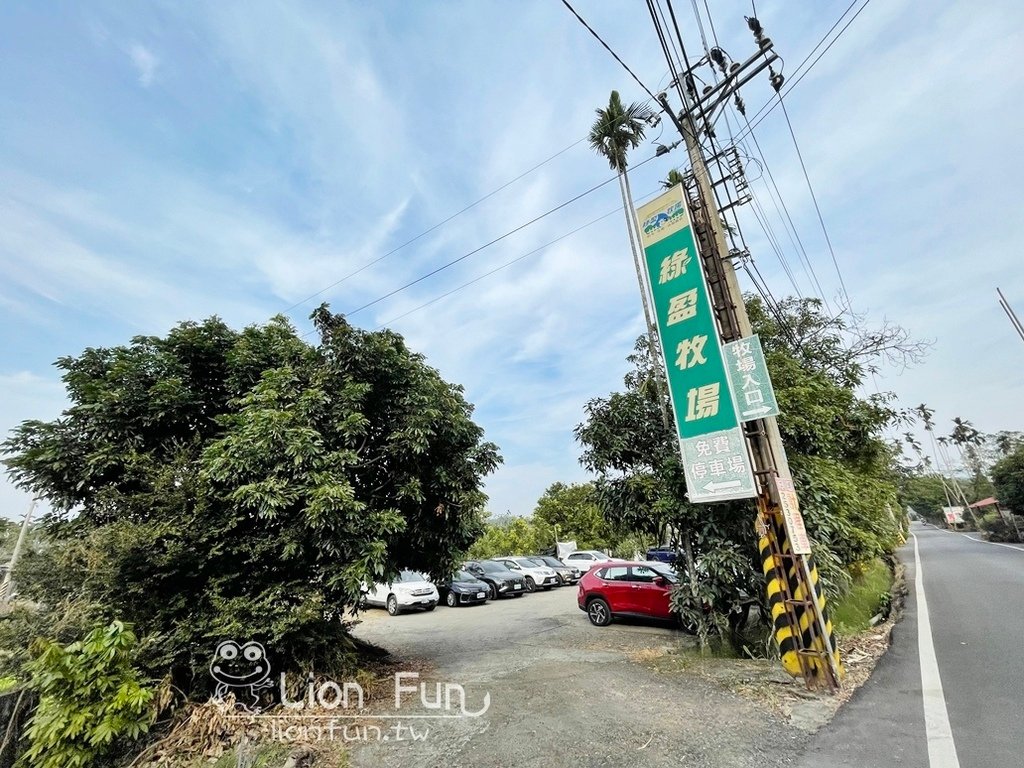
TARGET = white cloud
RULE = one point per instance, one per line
(145, 63)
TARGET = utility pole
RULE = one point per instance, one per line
(795, 573)
(8, 585)
(1014, 321)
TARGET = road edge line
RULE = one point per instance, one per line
(993, 543)
(979, 541)
(938, 732)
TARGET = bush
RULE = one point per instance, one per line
(997, 528)
(92, 704)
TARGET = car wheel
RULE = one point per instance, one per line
(392, 605)
(531, 585)
(599, 613)
(450, 601)
(494, 591)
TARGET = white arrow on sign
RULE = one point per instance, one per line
(762, 409)
(713, 487)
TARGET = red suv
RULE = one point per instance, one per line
(626, 589)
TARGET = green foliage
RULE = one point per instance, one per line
(517, 536)
(573, 510)
(925, 495)
(92, 701)
(617, 130)
(243, 485)
(855, 514)
(627, 546)
(843, 469)
(1008, 478)
(997, 528)
(870, 594)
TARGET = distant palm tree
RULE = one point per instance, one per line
(674, 177)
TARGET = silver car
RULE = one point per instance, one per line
(537, 576)
(568, 574)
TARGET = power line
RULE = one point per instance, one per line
(769, 106)
(798, 243)
(507, 264)
(769, 299)
(608, 48)
(498, 239)
(817, 208)
(438, 225)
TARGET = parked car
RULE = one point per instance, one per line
(626, 589)
(464, 589)
(410, 590)
(567, 574)
(502, 581)
(537, 576)
(585, 559)
(663, 554)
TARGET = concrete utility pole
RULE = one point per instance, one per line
(1014, 321)
(771, 467)
(8, 585)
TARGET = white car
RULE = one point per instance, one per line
(585, 559)
(537, 576)
(410, 590)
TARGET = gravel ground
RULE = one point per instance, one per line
(563, 693)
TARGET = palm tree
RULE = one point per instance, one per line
(616, 131)
(674, 177)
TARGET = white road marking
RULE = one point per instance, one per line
(941, 747)
(993, 543)
(980, 541)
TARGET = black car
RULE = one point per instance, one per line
(464, 589)
(502, 581)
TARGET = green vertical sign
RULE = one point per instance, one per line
(697, 378)
(714, 452)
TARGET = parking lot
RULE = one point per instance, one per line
(564, 692)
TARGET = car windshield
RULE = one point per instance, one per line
(404, 576)
(492, 567)
(663, 569)
(463, 576)
(526, 562)
(549, 561)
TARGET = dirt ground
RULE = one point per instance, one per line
(566, 693)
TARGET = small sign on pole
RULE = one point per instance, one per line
(748, 375)
(717, 467)
(791, 516)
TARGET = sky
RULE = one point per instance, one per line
(170, 161)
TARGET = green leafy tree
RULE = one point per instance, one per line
(843, 467)
(92, 701)
(215, 484)
(573, 511)
(1008, 478)
(926, 494)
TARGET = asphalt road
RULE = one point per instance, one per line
(950, 691)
